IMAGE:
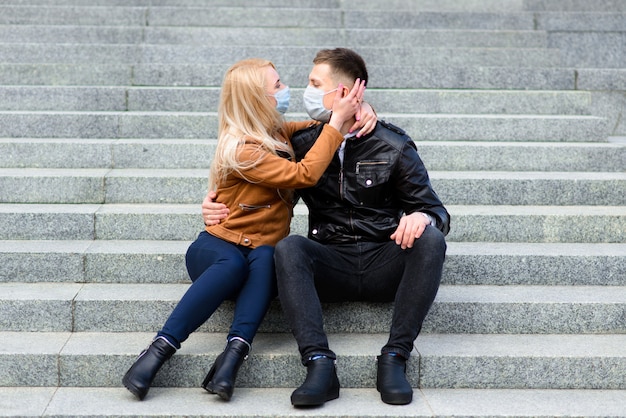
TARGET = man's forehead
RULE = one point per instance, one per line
(320, 72)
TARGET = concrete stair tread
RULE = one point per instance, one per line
(25, 53)
(189, 186)
(441, 76)
(263, 36)
(70, 153)
(159, 124)
(506, 223)
(202, 172)
(249, 402)
(268, 345)
(202, 99)
(106, 132)
(457, 309)
(439, 360)
(85, 292)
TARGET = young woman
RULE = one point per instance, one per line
(252, 172)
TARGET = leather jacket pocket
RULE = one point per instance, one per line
(371, 177)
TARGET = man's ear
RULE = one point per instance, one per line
(345, 91)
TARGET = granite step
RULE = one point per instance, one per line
(247, 16)
(272, 402)
(415, 76)
(467, 263)
(557, 224)
(190, 185)
(575, 6)
(287, 36)
(458, 309)
(197, 153)
(197, 99)
(445, 361)
(279, 55)
(429, 127)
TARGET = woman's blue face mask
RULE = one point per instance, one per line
(282, 99)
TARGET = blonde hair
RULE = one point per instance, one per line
(244, 111)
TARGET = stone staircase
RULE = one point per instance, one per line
(107, 127)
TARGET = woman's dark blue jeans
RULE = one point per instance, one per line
(309, 273)
(223, 271)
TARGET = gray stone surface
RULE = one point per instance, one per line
(197, 154)
(529, 188)
(592, 49)
(439, 20)
(602, 224)
(522, 361)
(66, 98)
(25, 15)
(575, 5)
(517, 108)
(65, 74)
(531, 264)
(55, 153)
(136, 262)
(41, 261)
(194, 402)
(414, 76)
(37, 307)
(52, 186)
(163, 261)
(189, 186)
(602, 79)
(31, 359)
(23, 222)
(280, 55)
(591, 21)
(440, 127)
(57, 307)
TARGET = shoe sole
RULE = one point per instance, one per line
(221, 393)
(304, 400)
(396, 399)
(134, 390)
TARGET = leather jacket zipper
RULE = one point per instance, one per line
(245, 206)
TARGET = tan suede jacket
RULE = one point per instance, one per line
(258, 215)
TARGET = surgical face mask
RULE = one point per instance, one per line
(314, 103)
(282, 99)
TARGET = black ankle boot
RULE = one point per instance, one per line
(391, 380)
(321, 384)
(141, 374)
(221, 378)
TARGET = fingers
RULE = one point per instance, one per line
(213, 212)
(409, 229)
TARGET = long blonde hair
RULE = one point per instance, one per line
(244, 111)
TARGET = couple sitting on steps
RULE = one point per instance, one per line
(376, 228)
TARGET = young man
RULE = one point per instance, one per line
(376, 233)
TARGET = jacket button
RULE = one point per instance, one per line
(314, 232)
(246, 240)
(368, 182)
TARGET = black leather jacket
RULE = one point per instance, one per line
(382, 177)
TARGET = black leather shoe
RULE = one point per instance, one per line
(141, 374)
(391, 380)
(221, 377)
(321, 384)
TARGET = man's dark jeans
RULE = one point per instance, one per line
(309, 273)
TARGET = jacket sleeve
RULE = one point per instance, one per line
(415, 190)
(274, 171)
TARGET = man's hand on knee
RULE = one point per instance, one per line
(410, 228)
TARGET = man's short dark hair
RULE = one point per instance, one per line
(344, 62)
